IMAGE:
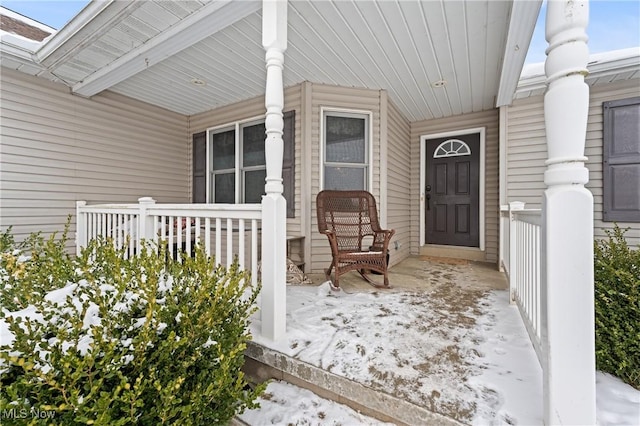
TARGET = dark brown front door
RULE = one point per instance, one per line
(452, 190)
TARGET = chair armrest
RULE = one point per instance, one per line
(382, 237)
(333, 240)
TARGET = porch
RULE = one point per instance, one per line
(566, 223)
(443, 346)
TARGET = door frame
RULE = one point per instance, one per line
(481, 195)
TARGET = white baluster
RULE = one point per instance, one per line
(81, 226)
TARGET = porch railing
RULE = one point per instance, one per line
(521, 262)
(226, 231)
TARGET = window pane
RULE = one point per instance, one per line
(345, 139)
(225, 185)
(254, 186)
(223, 147)
(253, 145)
(344, 178)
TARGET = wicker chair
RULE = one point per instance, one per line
(350, 220)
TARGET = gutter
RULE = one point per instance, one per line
(599, 65)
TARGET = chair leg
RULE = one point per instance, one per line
(327, 273)
(386, 278)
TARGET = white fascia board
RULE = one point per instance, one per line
(18, 46)
(524, 14)
(97, 18)
(210, 19)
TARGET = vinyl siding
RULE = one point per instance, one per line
(490, 121)
(57, 148)
(255, 108)
(398, 174)
(349, 99)
(527, 151)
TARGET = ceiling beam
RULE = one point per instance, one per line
(524, 14)
(210, 19)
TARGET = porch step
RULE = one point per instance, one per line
(262, 364)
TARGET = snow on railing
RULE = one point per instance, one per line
(521, 262)
(226, 231)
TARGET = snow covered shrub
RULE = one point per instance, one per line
(617, 307)
(33, 268)
(140, 341)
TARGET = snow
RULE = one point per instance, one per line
(283, 403)
(468, 359)
(462, 354)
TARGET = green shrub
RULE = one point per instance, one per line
(124, 341)
(49, 267)
(617, 307)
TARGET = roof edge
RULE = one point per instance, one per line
(95, 18)
(524, 14)
(600, 64)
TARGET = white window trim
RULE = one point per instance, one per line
(356, 113)
(234, 125)
(423, 168)
(457, 153)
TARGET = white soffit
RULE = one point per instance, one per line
(404, 47)
(435, 58)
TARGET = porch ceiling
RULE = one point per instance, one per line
(154, 50)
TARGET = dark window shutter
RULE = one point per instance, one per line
(288, 161)
(621, 160)
(199, 168)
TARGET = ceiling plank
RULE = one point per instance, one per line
(211, 18)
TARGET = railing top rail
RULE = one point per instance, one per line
(203, 213)
(532, 216)
(528, 212)
(208, 207)
(110, 208)
(205, 210)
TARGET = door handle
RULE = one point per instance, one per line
(428, 198)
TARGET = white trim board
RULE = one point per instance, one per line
(423, 167)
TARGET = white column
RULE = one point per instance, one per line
(567, 228)
(274, 212)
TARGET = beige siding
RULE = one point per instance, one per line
(255, 108)
(490, 121)
(398, 174)
(57, 148)
(527, 151)
(349, 99)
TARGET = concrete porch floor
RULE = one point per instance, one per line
(425, 273)
(408, 355)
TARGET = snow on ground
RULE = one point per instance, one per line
(464, 354)
(461, 353)
(283, 403)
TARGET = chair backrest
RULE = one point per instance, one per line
(351, 215)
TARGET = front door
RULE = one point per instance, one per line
(452, 190)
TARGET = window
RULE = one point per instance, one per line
(237, 161)
(621, 160)
(345, 150)
(236, 170)
(452, 148)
